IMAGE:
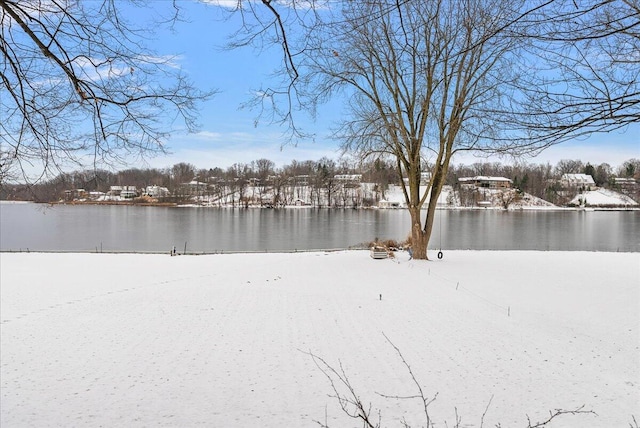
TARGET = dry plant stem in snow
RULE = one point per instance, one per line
(349, 401)
(425, 402)
(558, 412)
(353, 406)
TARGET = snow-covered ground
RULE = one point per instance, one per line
(223, 340)
(603, 197)
(394, 194)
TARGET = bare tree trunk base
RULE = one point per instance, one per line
(419, 239)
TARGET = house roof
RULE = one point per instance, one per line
(578, 178)
(485, 178)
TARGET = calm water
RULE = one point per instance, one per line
(129, 228)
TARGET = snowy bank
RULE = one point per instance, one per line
(222, 340)
(603, 198)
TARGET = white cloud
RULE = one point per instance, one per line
(208, 136)
(297, 4)
(229, 4)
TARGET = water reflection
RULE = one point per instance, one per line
(132, 228)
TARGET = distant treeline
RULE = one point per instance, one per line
(536, 179)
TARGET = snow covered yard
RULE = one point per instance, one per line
(223, 340)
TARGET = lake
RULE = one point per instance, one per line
(39, 227)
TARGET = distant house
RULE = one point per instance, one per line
(485, 182)
(273, 178)
(128, 192)
(96, 195)
(425, 177)
(156, 191)
(121, 192)
(577, 180)
(349, 177)
(625, 183)
(389, 204)
(114, 191)
(71, 195)
(299, 180)
(348, 180)
(193, 188)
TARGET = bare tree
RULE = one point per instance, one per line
(78, 85)
(7, 171)
(324, 180)
(183, 173)
(568, 166)
(381, 172)
(278, 186)
(427, 80)
(583, 67)
(237, 183)
(582, 59)
(268, 23)
(422, 79)
(264, 169)
(630, 169)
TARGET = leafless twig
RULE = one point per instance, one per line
(349, 401)
(557, 413)
(353, 406)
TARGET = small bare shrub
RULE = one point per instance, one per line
(389, 244)
(354, 407)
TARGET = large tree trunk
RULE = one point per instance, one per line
(419, 240)
(431, 214)
(420, 236)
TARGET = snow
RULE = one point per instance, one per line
(450, 199)
(223, 340)
(603, 197)
(395, 194)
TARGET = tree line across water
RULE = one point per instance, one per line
(540, 180)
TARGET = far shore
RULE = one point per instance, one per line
(440, 207)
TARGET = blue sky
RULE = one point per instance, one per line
(228, 134)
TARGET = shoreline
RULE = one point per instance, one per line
(449, 208)
(431, 252)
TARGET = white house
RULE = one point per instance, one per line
(121, 192)
(128, 192)
(349, 177)
(96, 195)
(577, 180)
(114, 191)
(156, 191)
(194, 187)
(299, 180)
(348, 180)
(425, 177)
(625, 183)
